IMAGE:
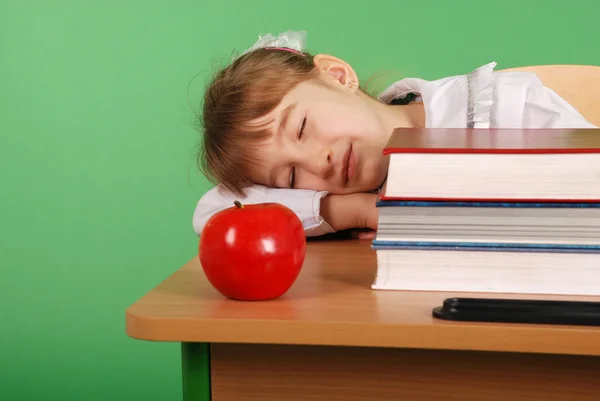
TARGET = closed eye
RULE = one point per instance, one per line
(292, 177)
(293, 171)
(301, 130)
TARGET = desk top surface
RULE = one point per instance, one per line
(332, 303)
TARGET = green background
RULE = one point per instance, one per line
(98, 177)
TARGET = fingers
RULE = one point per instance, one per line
(363, 235)
(367, 235)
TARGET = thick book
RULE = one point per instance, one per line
(483, 271)
(526, 165)
(489, 224)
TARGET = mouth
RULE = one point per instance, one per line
(348, 165)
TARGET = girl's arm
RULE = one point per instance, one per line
(319, 212)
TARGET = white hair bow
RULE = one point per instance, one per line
(295, 40)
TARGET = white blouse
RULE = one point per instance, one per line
(483, 98)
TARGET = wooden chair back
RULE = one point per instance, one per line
(577, 84)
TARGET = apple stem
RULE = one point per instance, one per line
(238, 204)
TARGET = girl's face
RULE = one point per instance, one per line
(324, 136)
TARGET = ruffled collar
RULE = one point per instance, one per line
(453, 102)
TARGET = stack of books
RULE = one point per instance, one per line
(491, 210)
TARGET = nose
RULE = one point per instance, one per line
(322, 164)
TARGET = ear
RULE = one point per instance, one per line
(336, 70)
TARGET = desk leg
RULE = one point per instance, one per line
(195, 358)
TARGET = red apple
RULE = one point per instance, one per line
(253, 252)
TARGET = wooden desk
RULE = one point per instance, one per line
(332, 337)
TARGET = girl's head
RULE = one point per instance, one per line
(286, 119)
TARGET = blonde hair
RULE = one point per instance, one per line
(247, 89)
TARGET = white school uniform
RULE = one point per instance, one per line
(483, 98)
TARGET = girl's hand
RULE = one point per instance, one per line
(351, 211)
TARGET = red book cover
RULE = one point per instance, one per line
(477, 140)
(490, 141)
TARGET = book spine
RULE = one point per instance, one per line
(484, 151)
(385, 198)
(486, 204)
(483, 246)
